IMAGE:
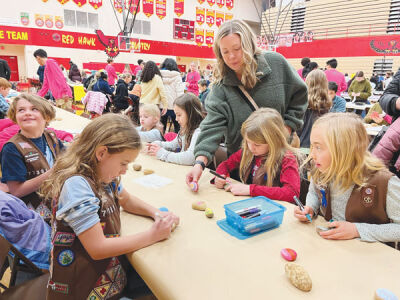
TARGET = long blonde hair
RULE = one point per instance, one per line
(347, 142)
(114, 131)
(265, 126)
(318, 99)
(249, 48)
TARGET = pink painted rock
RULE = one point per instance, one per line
(289, 254)
(194, 186)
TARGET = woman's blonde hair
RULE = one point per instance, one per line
(347, 142)
(151, 109)
(114, 131)
(46, 109)
(318, 99)
(249, 48)
(265, 126)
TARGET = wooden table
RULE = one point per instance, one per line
(352, 105)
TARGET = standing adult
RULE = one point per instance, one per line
(139, 69)
(5, 71)
(192, 79)
(390, 100)
(153, 91)
(174, 87)
(267, 77)
(53, 80)
(334, 75)
(304, 62)
(111, 74)
(121, 98)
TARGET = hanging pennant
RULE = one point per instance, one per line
(211, 2)
(96, 3)
(228, 16)
(48, 21)
(58, 22)
(161, 8)
(201, 1)
(220, 3)
(199, 37)
(25, 19)
(63, 1)
(148, 7)
(45, 0)
(209, 38)
(179, 7)
(229, 4)
(133, 4)
(219, 18)
(39, 21)
(200, 12)
(210, 17)
(79, 2)
(118, 6)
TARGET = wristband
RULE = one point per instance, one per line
(199, 162)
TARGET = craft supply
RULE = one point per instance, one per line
(300, 205)
(298, 276)
(163, 208)
(216, 174)
(384, 294)
(289, 254)
(147, 171)
(209, 213)
(199, 205)
(250, 216)
(137, 167)
(194, 186)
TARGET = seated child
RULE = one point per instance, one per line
(5, 87)
(349, 185)
(87, 195)
(150, 128)
(338, 103)
(27, 158)
(189, 115)
(267, 163)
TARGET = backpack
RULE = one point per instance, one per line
(377, 138)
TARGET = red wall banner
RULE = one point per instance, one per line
(179, 7)
(209, 38)
(200, 12)
(96, 3)
(133, 6)
(210, 17)
(228, 16)
(219, 18)
(229, 4)
(148, 7)
(220, 3)
(118, 6)
(161, 8)
(199, 37)
(211, 2)
(79, 2)
(201, 1)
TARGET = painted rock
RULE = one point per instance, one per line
(289, 254)
(194, 186)
(209, 213)
(163, 208)
(199, 205)
(147, 171)
(384, 294)
(298, 276)
(137, 167)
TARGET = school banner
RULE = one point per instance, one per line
(209, 38)
(118, 6)
(79, 2)
(25, 19)
(219, 18)
(211, 2)
(63, 1)
(134, 5)
(59, 22)
(199, 37)
(161, 8)
(220, 3)
(179, 7)
(229, 4)
(201, 1)
(228, 16)
(96, 3)
(39, 20)
(200, 15)
(148, 7)
(210, 17)
(48, 21)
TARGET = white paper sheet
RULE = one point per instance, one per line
(153, 181)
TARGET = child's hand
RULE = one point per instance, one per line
(161, 228)
(153, 149)
(219, 182)
(164, 214)
(163, 111)
(238, 189)
(301, 215)
(343, 231)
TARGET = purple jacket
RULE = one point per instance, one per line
(389, 145)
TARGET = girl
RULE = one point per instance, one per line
(27, 158)
(87, 195)
(349, 185)
(192, 78)
(150, 126)
(189, 115)
(267, 163)
(319, 103)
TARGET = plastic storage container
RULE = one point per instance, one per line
(267, 214)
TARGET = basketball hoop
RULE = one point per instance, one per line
(129, 44)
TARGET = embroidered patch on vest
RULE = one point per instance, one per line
(102, 291)
(112, 235)
(93, 296)
(25, 145)
(64, 239)
(66, 258)
(324, 201)
(43, 211)
(367, 197)
(58, 287)
(103, 225)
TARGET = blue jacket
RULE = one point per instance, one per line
(338, 105)
(102, 86)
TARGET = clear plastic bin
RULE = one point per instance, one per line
(270, 215)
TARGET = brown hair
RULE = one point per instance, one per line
(360, 74)
(318, 99)
(46, 109)
(4, 83)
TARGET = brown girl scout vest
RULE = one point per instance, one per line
(365, 205)
(260, 177)
(36, 164)
(74, 275)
